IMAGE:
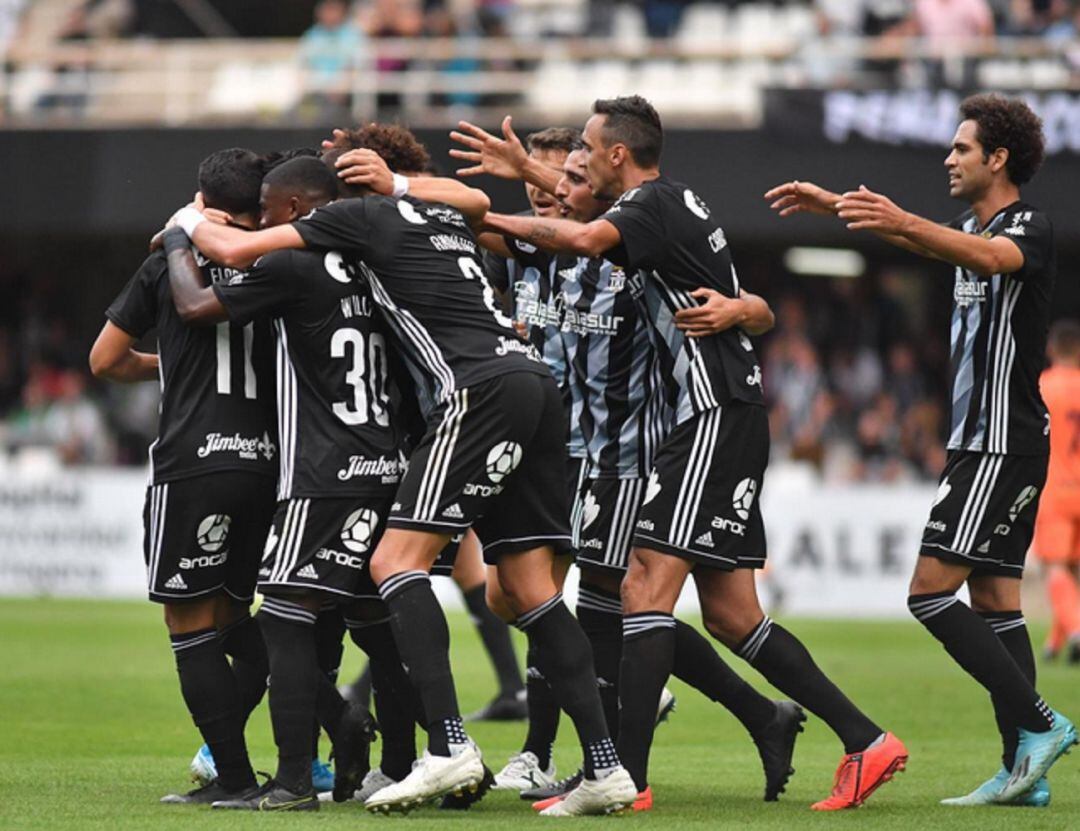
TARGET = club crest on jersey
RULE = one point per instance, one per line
(694, 204)
(754, 378)
(618, 280)
(742, 499)
(502, 459)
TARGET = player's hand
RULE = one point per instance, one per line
(157, 242)
(802, 197)
(327, 144)
(864, 210)
(716, 314)
(502, 157)
(366, 167)
(521, 329)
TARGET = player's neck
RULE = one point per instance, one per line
(998, 195)
(634, 176)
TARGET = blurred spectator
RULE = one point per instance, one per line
(662, 17)
(56, 413)
(11, 13)
(391, 19)
(941, 21)
(328, 52)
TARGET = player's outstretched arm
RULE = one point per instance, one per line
(802, 197)
(718, 312)
(231, 246)
(114, 358)
(505, 157)
(196, 304)
(366, 167)
(864, 210)
(589, 239)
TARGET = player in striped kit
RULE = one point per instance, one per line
(699, 513)
(981, 523)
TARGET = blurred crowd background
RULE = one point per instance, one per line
(855, 370)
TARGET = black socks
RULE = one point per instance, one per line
(424, 643)
(699, 665)
(600, 614)
(543, 710)
(1011, 630)
(243, 642)
(209, 690)
(784, 661)
(566, 661)
(647, 657)
(289, 629)
(972, 643)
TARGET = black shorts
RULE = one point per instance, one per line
(205, 534)
(494, 460)
(984, 512)
(702, 499)
(605, 513)
(325, 544)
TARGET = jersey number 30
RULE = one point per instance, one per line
(366, 376)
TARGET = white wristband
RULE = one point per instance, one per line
(401, 186)
(189, 219)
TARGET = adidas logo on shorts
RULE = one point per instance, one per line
(308, 572)
(705, 540)
(176, 582)
(454, 512)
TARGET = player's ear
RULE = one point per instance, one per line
(998, 159)
(617, 154)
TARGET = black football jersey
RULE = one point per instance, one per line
(998, 340)
(670, 234)
(338, 405)
(423, 265)
(217, 382)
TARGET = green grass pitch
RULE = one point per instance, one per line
(93, 731)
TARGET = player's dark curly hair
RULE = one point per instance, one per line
(399, 148)
(230, 180)
(565, 139)
(1009, 123)
(277, 158)
(633, 121)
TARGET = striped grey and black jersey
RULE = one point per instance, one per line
(617, 393)
(669, 233)
(532, 282)
(998, 340)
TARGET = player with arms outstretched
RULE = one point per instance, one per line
(981, 523)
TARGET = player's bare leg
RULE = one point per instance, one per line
(469, 574)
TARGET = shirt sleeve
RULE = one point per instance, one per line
(135, 308)
(345, 225)
(264, 287)
(637, 217)
(1034, 236)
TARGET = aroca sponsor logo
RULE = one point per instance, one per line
(729, 526)
(204, 561)
(338, 558)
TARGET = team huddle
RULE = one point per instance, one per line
(365, 369)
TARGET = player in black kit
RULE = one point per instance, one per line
(982, 521)
(340, 422)
(212, 474)
(699, 512)
(492, 459)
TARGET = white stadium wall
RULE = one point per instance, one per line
(833, 551)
